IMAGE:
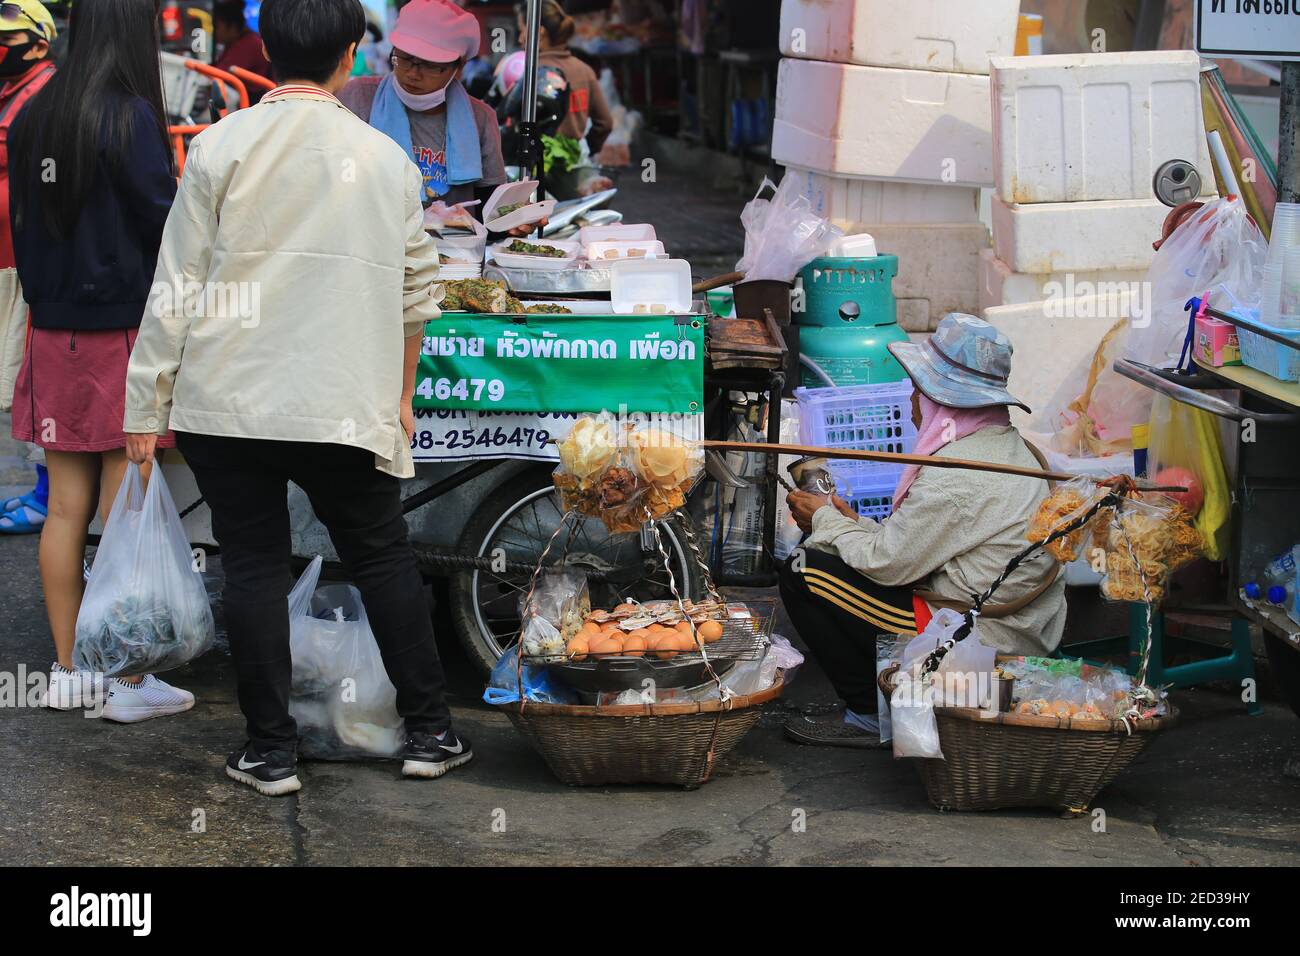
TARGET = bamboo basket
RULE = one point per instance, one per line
(1003, 760)
(677, 744)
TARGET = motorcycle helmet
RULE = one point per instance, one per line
(552, 101)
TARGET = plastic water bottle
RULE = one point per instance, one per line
(1282, 569)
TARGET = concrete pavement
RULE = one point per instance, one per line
(79, 791)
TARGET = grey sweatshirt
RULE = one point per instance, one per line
(954, 534)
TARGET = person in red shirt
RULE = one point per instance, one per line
(26, 32)
(240, 46)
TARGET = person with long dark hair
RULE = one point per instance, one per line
(91, 183)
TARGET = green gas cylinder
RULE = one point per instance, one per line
(847, 320)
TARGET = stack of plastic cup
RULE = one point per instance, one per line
(1280, 300)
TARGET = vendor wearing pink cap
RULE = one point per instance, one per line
(450, 135)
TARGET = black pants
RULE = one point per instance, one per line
(838, 613)
(244, 481)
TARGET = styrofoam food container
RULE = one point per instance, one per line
(513, 260)
(916, 35)
(859, 246)
(508, 193)
(624, 249)
(1081, 127)
(646, 283)
(616, 231)
(912, 125)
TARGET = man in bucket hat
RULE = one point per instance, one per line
(951, 532)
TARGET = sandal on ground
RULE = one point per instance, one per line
(27, 518)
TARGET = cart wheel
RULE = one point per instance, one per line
(1285, 664)
(519, 518)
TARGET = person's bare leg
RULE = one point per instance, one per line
(113, 470)
(74, 480)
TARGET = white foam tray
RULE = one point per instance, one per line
(1093, 126)
(914, 125)
(1077, 236)
(941, 35)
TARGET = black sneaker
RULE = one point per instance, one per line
(426, 755)
(272, 774)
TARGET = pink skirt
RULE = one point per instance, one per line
(71, 390)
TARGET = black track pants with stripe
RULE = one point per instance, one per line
(838, 613)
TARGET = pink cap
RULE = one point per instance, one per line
(436, 31)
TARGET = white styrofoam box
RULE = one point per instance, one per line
(938, 269)
(1088, 126)
(1050, 339)
(916, 35)
(1000, 285)
(914, 125)
(1077, 236)
(848, 201)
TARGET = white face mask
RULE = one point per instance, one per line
(420, 102)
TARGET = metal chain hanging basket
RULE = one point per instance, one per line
(677, 743)
(994, 760)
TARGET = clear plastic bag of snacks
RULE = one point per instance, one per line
(1145, 539)
(1067, 501)
(554, 613)
(624, 475)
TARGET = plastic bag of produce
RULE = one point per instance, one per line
(145, 608)
(1184, 450)
(554, 613)
(341, 697)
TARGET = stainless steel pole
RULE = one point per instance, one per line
(1288, 149)
(530, 61)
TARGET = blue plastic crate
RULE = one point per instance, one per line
(864, 417)
(873, 499)
(1265, 355)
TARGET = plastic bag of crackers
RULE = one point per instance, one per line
(1145, 539)
(625, 475)
(1067, 501)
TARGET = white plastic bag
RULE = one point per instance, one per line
(145, 608)
(787, 657)
(782, 234)
(965, 675)
(341, 697)
(911, 710)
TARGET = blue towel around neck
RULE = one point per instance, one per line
(464, 160)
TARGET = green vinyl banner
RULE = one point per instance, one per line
(565, 363)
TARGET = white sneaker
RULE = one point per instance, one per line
(72, 689)
(128, 703)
